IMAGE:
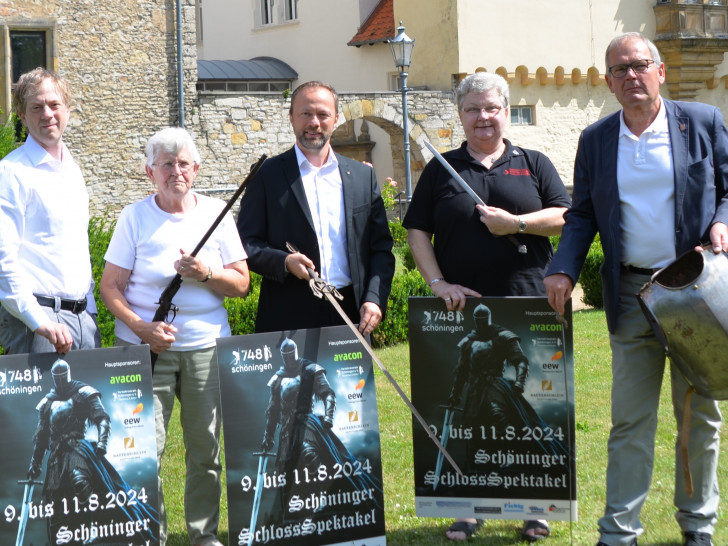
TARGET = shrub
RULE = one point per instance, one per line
(394, 327)
(8, 137)
(100, 229)
(242, 311)
(590, 279)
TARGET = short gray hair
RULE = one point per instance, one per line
(629, 36)
(171, 140)
(482, 82)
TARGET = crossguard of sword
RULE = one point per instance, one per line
(320, 287)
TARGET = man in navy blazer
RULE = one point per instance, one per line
(330, 209)
(652, 180)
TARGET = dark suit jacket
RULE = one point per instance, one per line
(274, 210)
(700, 155)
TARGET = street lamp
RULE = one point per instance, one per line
(402, 46)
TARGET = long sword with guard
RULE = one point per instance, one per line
(259, 486)
(444, 437)
(322, 289)
(465, 186)
(29, 484)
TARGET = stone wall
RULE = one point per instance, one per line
(120, 58)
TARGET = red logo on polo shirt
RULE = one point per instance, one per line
(518, 172)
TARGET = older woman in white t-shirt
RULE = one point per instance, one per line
(150, 244)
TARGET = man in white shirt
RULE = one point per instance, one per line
(652, 180)
(329, 207)
(46, 285)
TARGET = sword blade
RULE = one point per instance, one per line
(465, 186)
(23, 521)
(259, 486)
(456, 175)
(386, 373)
(444, 437)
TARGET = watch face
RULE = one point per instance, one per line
(522, 226)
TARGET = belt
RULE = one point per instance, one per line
(74, 306)
(640, 270)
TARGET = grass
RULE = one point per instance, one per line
(592, 378)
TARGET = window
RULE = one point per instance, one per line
(200, 35)
(291, 10)
(23, 47)
(267, 12)
(27, 51)
(237, 86)
(521, 115)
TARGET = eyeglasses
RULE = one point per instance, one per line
(489, 110)
(640, 66)
(169, 166)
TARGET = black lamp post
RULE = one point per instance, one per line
(402, 46)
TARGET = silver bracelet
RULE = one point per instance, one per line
(433, 281)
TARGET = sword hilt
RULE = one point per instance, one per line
(264, 454)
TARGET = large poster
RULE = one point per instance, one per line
(79, 463)
(495, 383)
(301, 431)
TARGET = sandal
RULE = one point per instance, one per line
(467, 528)
(535, 525)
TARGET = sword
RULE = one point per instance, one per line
(29, 484)
(259, 486)
(444, 437)
(322, 289)
(465, 186)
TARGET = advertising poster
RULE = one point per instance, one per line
(302, 449)
(495, 383)
(79, 457)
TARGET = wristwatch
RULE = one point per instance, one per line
(522, 225)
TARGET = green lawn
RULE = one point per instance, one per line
(592, 423)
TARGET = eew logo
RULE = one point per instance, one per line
(135, 418)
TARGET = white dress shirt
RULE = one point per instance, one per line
(43, 231)
(325, 196)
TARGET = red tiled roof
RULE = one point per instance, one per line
(379, 26)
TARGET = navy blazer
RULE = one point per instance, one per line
(274, 210)
(699, 143)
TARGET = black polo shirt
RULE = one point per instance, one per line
(520, 181)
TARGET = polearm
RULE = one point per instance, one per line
(165, 299)
(470, 191)
(322, 289)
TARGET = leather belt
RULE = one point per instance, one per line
(640, 270)
(74, 306)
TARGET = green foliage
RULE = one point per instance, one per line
(8, 140)
(401, 249)
(394, 328)
(242, 311)
(100, 229)
(390, 191)
(590, 279)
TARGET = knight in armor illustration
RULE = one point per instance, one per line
(77, 469)
(483, 356)
(294, 389)
(305, 438)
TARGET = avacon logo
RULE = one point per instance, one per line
(131, 378)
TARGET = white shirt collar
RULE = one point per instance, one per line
(658, 125)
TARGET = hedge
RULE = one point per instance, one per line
(393, 329)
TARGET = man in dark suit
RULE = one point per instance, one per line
(329, 208)
(652, 179)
